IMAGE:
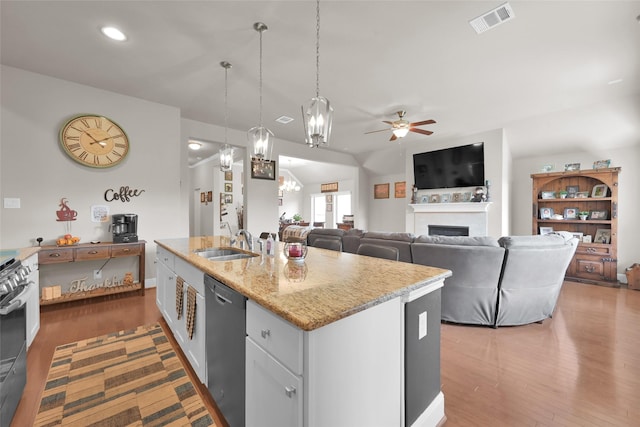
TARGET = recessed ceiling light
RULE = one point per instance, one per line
(194, 145)
(113, 33)
(284, 120)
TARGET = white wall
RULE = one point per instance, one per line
(36, 169)
(387, 214)
(628, 201)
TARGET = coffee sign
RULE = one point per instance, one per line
(124, 194)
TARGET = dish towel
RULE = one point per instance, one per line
(179, 295)
(191, 310)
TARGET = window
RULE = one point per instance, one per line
(318, 208)
(342, 205)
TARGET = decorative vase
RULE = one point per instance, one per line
(295, 250)
(583, 217)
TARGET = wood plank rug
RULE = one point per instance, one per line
(126, 378)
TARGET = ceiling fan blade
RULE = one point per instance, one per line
(374, 131)
(387, 122)
(393, 137)
(422, 131)
(425, 122)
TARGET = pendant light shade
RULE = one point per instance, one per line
(226, 152)
(260, 138)
(318, 116)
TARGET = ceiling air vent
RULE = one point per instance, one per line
(492, 18)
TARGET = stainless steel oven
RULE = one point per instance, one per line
(14, 290)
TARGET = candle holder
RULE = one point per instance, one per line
(295, 249)
(295, 271)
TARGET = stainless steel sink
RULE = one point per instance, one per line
(223, 254)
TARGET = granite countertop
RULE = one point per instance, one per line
(325, 287)
(19, 254)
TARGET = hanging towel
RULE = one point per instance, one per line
(179, 295)
(191, 310)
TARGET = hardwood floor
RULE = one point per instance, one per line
(581, 368)
(74, 321)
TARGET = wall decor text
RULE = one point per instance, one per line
(124, 195)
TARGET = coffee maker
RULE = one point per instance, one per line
(124, 228)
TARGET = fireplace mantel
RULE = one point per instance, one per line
(451, 207)
(468, 214)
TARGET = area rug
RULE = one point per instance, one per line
(126, 378)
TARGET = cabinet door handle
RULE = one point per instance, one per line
(55, 255)
(265, 333)
(289, 391)
(126, 250)
(591, 249)
(92, 252)
(589, 268)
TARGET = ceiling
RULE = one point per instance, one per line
(542, 76)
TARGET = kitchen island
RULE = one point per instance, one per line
(337, 339)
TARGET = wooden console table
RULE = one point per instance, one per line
(88, 252)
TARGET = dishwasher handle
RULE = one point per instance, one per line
(221, 299)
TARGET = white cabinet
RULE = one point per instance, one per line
(33, 299)
(273, 393)
(170, 269)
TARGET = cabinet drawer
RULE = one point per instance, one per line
(594, 249)
(125, 250)
(92, 253)
(52, 256)
(166, 257)
(277, 336)
(590, 269)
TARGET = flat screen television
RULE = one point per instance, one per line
(451, 167)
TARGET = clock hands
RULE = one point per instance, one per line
(101, 142)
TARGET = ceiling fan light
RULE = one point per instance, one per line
(261, 142)
(317, 119)
(401, 132)
(226, 158)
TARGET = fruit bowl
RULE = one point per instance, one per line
(68, 240)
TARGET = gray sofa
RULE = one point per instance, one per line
(513, 280)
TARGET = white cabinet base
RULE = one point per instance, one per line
(433, 415)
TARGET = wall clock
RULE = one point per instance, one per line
(94, 141)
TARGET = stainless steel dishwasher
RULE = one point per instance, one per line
(226, 343)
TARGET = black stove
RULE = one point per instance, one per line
(14, 287)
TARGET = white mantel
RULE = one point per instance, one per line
(472, 215)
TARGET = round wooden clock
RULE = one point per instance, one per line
(94, 141)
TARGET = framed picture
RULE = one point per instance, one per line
(601, 164)
(456, 197)
(228, 187)
(228, 176)
(598, 214)
(570, 213)
(586, 238)
(329, 198)
(203, 197)
(577, 235)
(228, 199)
(280, 193)
(547, 194)
(546, 168)
(572, 167)
(434, 198)
(381, 191)
(582, 194)
(546, 230)
(603, 235)
(209, 196)
(599, 190)
(445, 198)
(546, 213)
(329, 207)
(466, 196)
(263, 170)
(279, 201)
(424, 199)
(572, 190)
(400, 190)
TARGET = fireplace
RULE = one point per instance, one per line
(448, 230)
(474, 217)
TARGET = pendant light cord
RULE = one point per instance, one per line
(226, 108)
(261, 31)
(317, 48)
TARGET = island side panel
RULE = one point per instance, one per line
(354, 369)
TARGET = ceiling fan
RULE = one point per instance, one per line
(401, 127)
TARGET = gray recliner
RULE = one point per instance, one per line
(532, 276)
(332, 244)
(470, 295)
(378, 251)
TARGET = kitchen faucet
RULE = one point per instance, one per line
(232, 241)
(247, 238)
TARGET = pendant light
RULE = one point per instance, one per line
(259, 136)
(318, 116)
(226, 152)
